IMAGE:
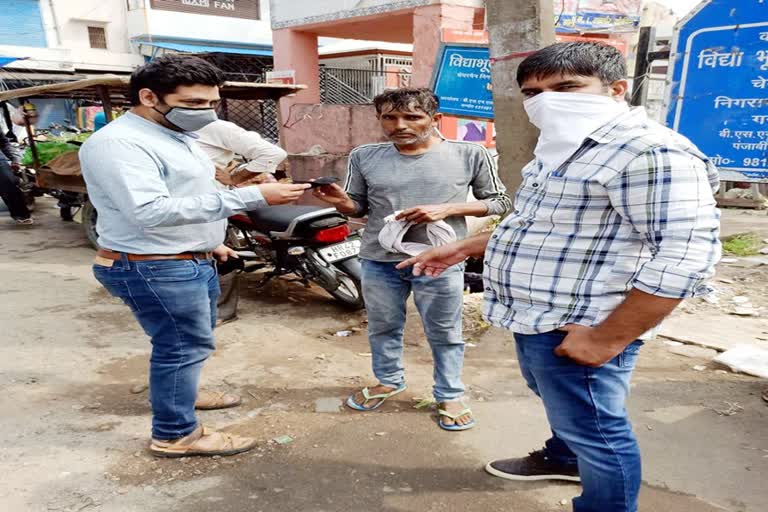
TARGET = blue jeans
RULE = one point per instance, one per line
(585, 409)
(439, 302)
(175, 303)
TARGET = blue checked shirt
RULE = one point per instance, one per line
(632, 208)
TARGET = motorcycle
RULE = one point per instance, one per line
(315, 244)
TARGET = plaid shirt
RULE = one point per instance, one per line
(632, 208)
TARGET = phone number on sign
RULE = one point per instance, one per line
(756, 162)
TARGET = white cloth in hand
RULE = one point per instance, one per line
(391, 235)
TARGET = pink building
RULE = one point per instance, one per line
(298, 25)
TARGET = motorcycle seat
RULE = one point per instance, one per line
(278, 218)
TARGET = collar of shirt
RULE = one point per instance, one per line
(627, 121)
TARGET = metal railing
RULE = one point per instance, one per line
(358, 86)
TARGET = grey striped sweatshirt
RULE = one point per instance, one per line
(381, 181)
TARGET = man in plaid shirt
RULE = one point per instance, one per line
(615, 224)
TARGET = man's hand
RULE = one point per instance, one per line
(335, 195)
(435, 261)
(223, 177)
(331, 194)
(583, 346)
(247, 178)
(426, 213)
(281, 193)
(222, 253)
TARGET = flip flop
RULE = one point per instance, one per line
(368, 397)
(455, 427)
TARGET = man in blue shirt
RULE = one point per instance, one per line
(162, 220)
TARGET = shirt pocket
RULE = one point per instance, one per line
(575, 201)
(170, 270)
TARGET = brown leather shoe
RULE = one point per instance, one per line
(209, 400)
(202, 442)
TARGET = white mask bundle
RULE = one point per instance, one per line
(391, 236)
(565, 119)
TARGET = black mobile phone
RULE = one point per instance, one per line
(319, 182)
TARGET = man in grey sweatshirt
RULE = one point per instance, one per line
(426, 179)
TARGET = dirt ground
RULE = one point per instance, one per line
(73, 431)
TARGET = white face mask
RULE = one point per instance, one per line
(565, 119)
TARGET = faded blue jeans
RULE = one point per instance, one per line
(585, 409)
(439, 302)
(174, 301)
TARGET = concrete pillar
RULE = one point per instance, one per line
(298, 51)
(516, 28)
(428, 22)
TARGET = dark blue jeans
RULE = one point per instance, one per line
(175, 303)
(585, 409)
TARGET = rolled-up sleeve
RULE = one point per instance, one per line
(486, 185)
(262, 156)
(132, 182)
(667, 196)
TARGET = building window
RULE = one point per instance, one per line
(98, 37)
(135, 4)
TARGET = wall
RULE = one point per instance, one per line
(22, 23)
(65, 28)
(336, 128)
(169, 24)
(75, 17)
(294, 13)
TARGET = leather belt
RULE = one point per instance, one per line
(113, 255)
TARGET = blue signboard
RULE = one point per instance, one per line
(718, 94)
(462, 81)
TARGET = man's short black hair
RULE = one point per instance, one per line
(581, 58)
(164, 74)
(406, 99)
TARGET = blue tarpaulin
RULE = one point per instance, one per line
(7, 60)
(207, 48)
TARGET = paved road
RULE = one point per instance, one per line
(74, 435)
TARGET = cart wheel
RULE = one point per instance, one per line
(65, 212)
(89, 223)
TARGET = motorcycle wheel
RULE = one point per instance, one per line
(350, 291)
(89, 223)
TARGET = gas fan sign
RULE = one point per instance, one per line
(245, 9)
